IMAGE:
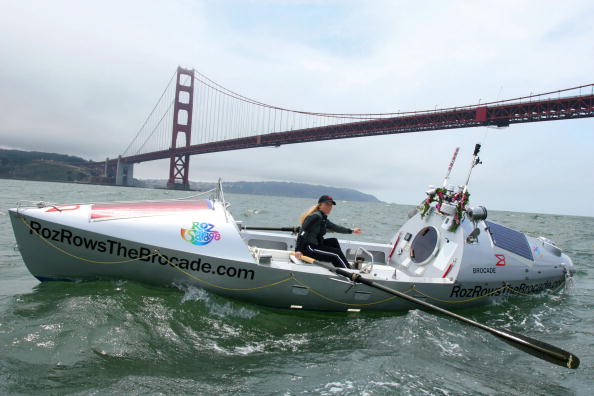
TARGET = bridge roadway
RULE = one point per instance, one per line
(465, 117)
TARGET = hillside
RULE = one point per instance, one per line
(34, 165)
(280, 189)
(299, 190)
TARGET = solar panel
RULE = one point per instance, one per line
(510, 240)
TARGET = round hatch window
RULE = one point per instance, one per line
(424, 245)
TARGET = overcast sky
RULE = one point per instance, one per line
(80, 77)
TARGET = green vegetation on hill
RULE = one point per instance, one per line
(299, 190)
(279, 189)
(34, 165)
(22, 157)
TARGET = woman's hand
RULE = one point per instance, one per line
(357, 230)
(298, 255)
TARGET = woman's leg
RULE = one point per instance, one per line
(333, 243)
(327, 253)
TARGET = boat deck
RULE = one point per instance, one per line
(284, 259)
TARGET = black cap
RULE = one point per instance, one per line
(326, 198)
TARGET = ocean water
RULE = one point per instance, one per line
(123, 337)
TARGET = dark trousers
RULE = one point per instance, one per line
(328, 251)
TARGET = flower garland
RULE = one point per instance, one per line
(440, 194)
(460, 206)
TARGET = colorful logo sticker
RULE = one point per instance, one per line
(200, 234)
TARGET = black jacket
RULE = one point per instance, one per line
(314, 228)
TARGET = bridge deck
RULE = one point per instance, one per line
(466, 117)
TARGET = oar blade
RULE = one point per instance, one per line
(529, 345)
(540, 349)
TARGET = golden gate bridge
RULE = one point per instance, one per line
(195, 115)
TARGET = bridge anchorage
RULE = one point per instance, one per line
(198, 116)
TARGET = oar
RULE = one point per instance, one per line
(529, 345)
(294, 230)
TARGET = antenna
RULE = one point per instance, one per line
(447, 176)
(475, 161)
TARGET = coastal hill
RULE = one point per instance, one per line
(280, 189)
(299, 190)
(34, 165)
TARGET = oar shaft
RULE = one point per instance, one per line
(532, 346)
(529, 345)
(289, 229)
(491, 330)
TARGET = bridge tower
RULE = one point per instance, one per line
(182, 123)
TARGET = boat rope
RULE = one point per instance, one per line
(147, 257)
(157, 253)
(458, 301)
(502, 288)
(552, 291)
(291, 276)
(317, 293)
(219, 286)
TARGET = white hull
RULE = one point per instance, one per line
(199, 243)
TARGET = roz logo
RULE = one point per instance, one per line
(200, 234)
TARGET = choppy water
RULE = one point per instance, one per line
(129, 338)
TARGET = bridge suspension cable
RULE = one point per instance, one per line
(371, 116)
(220, 114)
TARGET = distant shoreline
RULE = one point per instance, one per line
(231, 187)
(280, 196)
(61, 168)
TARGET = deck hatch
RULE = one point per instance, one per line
(128, 210)
(510, 240)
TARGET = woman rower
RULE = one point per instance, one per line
(311, 241)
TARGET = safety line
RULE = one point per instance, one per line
(290, 277)
(78, 257)
(155, 252)
(317, 293)
(223, 287)
(488, 294)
